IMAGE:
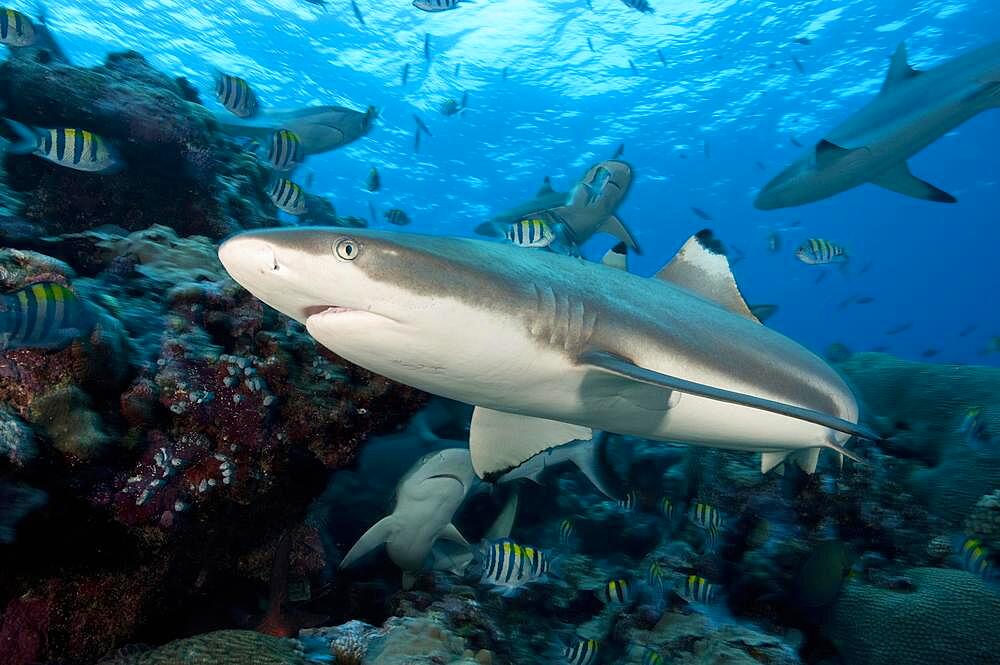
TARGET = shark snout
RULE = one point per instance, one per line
(247, 258)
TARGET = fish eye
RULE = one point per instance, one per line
(347, 249)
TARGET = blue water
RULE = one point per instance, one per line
(729, 81)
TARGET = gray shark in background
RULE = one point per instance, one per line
(913, 109)
(550, 347)
(319, 128)
(587, 210)
(427, 499)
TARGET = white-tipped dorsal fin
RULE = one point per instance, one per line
(899, 69)
(617, 257)
(702, 268)
(501, 441)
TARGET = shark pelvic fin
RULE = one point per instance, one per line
(900, 180)
(452, 533)
(613, 364)
(617, 257)
(807, 459)
(614, 226)
(501, 441)
(701, 267)
(899, 69)
(373, 537)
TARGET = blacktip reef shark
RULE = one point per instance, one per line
(587, 210)
(427, 498)
(913, 109)
(319, 128)
(549, 347)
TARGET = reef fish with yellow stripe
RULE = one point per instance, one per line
(583, 652)
(73, 148)
(44, 315)
(976, 558)
(288, 196)
(16, 29)
(285, 150)
(236, 95)
(696, 589)
(532, 233)
(616, 592)
(508, 566)
(817, 251)
(707, 517)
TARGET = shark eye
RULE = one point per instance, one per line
(347, 249)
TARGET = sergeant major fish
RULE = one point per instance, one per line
(285, 150)
(44, 315)
(397, 217)
(76, 149)
(236, 95)
(583, 652)
(817, 251)
(616, 592)
(437, 5)
(533, 233)
(374, 182)
(696, 589)
(565, 531)
(16, 29)
(508, 566)
(288, 196)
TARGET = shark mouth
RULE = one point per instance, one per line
(313, 310)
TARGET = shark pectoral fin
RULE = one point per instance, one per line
(587, 458)
(900, 180)
(899, 69)
(451, 533)
(701, 267)
(614, 226)
(616, 257)
(373, 537)
(504, 522)
(615, 365)
(501, 441)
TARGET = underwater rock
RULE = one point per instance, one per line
(984, 520)
(920, 408)
(65, 417)
(178, 169)
(950, 618)
(17, 442)
(16, 501)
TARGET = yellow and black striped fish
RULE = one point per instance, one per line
(397, 217)
(565, 531)
(629, 503)
(530, 233)
(77, 149)
(510, 566)
(651, 657)
(667, 508)
(285, 151)
(975, 558)
(288, 196)
(617, 591)
(16, 29)
(236, 95)
(817, 251)
(707, 517)
(44, 315)
(697, 589)
(654, 575)
(583, 652)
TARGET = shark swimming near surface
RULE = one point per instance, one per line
(588, 209)
(550, 347)
(912, 110)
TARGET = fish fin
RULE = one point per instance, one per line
(545, 189)
(504, 522)
(27, 140)
(701, 267)
(614, 226)
(451, 532)
(829, 153)
(379, 533)
(613, 364)
(616, 257)
(899, 179)
(501, 441)
(409, 579)
(899, 69)
(844, 452)
(587, 456)
(769, 461)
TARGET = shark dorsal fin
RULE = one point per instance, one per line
(827, 153)
(702, 268)
(899, 69)
(546, 187)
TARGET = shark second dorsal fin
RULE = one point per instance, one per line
(546, 187)
(899, 69)
(702, 268)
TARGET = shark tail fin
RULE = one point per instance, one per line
(380, 532)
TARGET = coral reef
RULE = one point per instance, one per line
(949, 617)
(224, 647)
(983, 521)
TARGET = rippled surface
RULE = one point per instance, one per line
(727, 94)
